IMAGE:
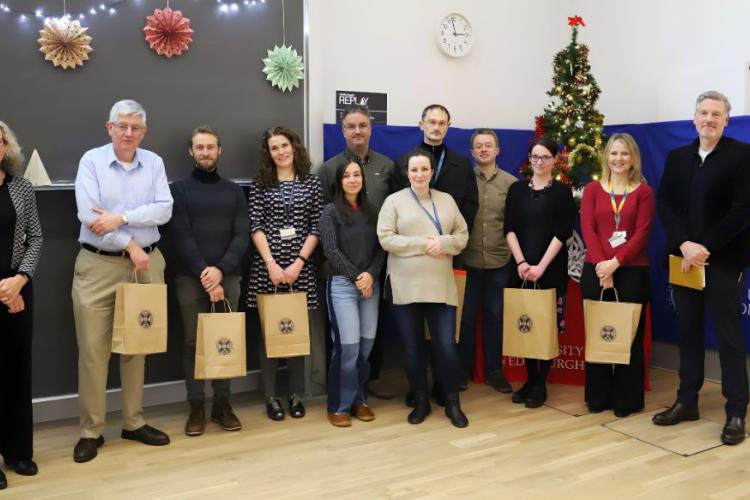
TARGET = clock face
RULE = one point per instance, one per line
(455, 35)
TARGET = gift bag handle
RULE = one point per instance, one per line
(601, 294)
(134, 277)
(536, 286)
(227, 307)
(276, 288)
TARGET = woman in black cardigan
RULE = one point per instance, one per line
(20, 246)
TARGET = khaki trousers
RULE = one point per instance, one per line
(94, 283)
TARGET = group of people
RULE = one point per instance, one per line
(392, 235)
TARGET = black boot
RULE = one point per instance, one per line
(421, 409)
(438, 393)
(538, 394)
(453, 411)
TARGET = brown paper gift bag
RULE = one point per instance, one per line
(284, 323)
(140, 324)
(220, 344)
(459, 275)
(610, 329)
(530, 323)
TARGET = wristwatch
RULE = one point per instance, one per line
(124, 219)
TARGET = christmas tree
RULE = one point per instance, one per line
(571, 118)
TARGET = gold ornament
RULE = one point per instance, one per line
(65, 42)
(598, 142)
(558, 89)
(572, 142)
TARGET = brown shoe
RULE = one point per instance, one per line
(340, 419)
(196, 422)
(222, 414)
(363, 412)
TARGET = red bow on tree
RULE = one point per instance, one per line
(575, 20)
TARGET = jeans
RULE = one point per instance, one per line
(354, 322)
(483, 287)
(441, 319)
(193, 299)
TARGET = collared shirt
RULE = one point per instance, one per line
(487, 248)
(377, 167)
(139, 191)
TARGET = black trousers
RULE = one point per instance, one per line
(16, 419)
(722, 298)
(619, 387)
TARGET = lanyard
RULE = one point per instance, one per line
(438, 169)
(615, 208)
(288, 206)
(435, 221)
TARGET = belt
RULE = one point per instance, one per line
(114, 253)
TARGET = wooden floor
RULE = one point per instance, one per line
(507, 451)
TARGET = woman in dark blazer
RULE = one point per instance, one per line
(20, 246)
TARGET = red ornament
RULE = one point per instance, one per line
(168, 32)
(575, 21)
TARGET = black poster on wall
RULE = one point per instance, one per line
(376, 102)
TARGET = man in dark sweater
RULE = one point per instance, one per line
(209, 229)
(704, 207)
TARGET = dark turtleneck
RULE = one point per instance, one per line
(435, 151)
(208, 177)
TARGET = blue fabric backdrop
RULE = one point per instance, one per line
(655, 141)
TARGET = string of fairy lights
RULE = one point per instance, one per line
(106, 8)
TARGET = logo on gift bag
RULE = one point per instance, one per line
(524, 324)
(224, 346)
(145, 319)
(608, 333)
(286, 325)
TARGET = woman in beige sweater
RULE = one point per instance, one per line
(422, 229)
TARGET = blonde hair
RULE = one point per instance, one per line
(12, 162)
(635, 175)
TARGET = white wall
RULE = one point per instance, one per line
(651, 58)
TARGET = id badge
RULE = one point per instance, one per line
(618, 238)
(287, 233)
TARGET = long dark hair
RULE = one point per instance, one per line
(343, 208)
(266, 176)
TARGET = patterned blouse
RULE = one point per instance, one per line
(27, 234)
(292, 204)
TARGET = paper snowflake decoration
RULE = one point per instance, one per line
(64, 42)
(283, 67)
(168, 32)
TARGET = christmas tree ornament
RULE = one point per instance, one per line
(64, 42)
(572, 142)
(168, 32)
(283, 66)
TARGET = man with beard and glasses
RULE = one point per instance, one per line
(209, 230)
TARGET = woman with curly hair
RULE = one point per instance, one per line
(284, 208)
(20, 246)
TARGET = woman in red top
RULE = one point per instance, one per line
(616, 217)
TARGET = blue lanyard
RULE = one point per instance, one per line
(435, 221)
(438, 169)
(290, 205)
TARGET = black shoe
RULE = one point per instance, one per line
(296, 408)
(537, 395)
(438, 394)
(147, 435)
(274, 409)
(675, 414)
(619, 413)
(23, 467)
(521, 394)
(597, 409)
(421, 409)
(85, 449)
(733, 431)
(409, 399)
(497, 381)
(457, 417)
(3, 481)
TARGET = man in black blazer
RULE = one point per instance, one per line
(704, 207)
(453, 172)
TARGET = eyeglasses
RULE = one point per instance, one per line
(536, 159)
(123, 128)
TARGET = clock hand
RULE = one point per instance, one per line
(454, 27)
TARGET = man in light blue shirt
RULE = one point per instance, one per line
(122, 196)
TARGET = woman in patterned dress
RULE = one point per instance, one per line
(20, 246)
(284, 208)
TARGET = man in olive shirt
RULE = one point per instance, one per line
(487, 261)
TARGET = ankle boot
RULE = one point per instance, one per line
(196, 422)
(421, 409)
(453, 411)
(222, 414)
(538, 393)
